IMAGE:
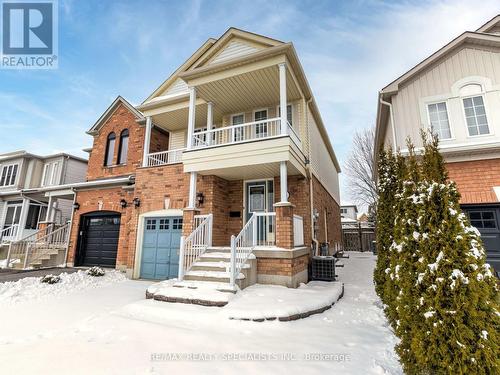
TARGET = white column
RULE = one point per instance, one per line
(284, 126)
(54, 211)
(147, 141)
(191, 116)
(22, 218)
(49, 209)
(192, 190)
(283, 182)
(210, 120)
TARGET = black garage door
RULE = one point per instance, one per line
(99, 240)
(487, 220)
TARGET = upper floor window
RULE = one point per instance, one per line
(289, 113)
(110, 149)
(260, 128)
(123, 147)
(475, 115)
(50, 174)
(8, 175)
(238, 132)
(343, 210)
(438, 118)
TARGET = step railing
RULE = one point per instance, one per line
(194, 245)
(9, 234)
(156, 159)
(260, 230)
(36, 245)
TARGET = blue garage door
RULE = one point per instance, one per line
(160, 248)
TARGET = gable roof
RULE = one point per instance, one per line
(478, 38)
(187, 64)
(232, 33)
(108, 112)
(494, 23)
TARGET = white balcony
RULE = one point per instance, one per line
(156, 159)
(247, 132)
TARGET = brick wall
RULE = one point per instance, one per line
(475, 180)
(120, 120)
(324, 201)
(282, 267)
(110, 199)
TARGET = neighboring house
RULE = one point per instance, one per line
(456, 93)
(231, 144)
(349, 212)
(29, 191)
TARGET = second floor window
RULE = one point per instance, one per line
(123, 147)
(289, 113)
(438, 117)
(261, 127)
(238, 132)
(8, 175)
(50, 174)
(110, 149)
(475, 115)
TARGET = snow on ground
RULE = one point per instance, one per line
(31, 289)
(112, 329)
(275, 301)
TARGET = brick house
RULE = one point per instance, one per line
(456, 93)
(224, 173)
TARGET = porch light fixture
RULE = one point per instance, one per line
(76, 206)
(137, 202)
(200, 198)
(123, 203)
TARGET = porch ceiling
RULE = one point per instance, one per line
(258, 88)
(251, 172)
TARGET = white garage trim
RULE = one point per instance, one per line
(496, 189)
(140, 235)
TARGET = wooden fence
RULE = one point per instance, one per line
(358, 236)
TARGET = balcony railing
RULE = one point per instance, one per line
(247, 132)
(165, 157)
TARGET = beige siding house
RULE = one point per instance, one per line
(456, 93)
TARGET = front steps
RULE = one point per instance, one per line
(52, 256)
(207, 283)
(213, 266)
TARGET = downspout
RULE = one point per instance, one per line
(70, 226)
(391, 115)
(309, 175)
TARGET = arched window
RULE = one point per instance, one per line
(123, 147)
(110, 148)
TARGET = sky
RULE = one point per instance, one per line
(348, 49)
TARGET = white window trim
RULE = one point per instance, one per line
(260, 110)
(429, 123)
(53, 179)
(292, 107)
(234, 115)
(16, 176)
(486, 111)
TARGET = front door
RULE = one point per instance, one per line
(487, 220)
(260, 198)
(160, 248)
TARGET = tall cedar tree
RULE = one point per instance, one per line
(441, 296)
(454, 325)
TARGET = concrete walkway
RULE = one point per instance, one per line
(14, 275)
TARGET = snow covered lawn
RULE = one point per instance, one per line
(111, 328)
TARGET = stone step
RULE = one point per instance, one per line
(215, 257)
(218, 249)
(214, 266)
(216, 276)
(213, 285)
